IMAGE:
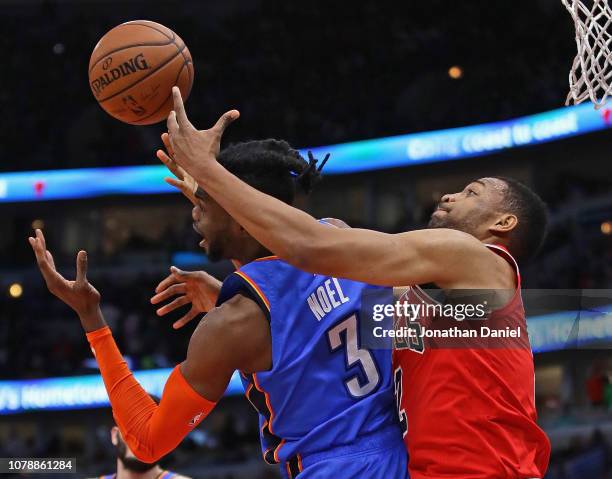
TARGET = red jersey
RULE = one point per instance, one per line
(470, 412)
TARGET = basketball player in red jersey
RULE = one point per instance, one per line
(470, 412)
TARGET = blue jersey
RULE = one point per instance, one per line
(324, 390)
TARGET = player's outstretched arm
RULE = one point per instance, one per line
(442, 256)
(192, 389)
(447, 257)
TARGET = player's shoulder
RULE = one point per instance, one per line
(264, 271)
(471, 262)
(250, 279)
(236, 309)
(261, 264)
(462, 243)
(455, 237)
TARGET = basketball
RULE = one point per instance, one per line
(133, 68)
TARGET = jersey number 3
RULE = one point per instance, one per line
(345, 333)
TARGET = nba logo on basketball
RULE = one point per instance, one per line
(195, 419)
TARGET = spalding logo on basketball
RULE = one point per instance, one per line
(133, 68)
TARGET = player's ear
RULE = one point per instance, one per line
(504, 224)
(115, 435)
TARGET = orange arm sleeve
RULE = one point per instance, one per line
(150, 430)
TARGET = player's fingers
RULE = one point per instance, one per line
(35, 244)
(39, 252)
(81, 264)
(180, 172)
(170, 164)
(50, 259)
(185, 319)
(172, 126)
(176, 183)
(165, 159)
(183, 187)
(225, 120)
(170, 291)
(179, 108)
(41, 237)
(49, 274)
(164, 283)
(166, 141)
(179, 274)
(43, 256)
(177, 303)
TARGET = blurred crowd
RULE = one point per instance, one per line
(577, 252)
(583, 458)
(55, 345)
(221, 448)
(313, 73)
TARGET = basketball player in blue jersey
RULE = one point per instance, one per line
(326, 404)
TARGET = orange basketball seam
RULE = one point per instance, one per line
(191, 75)
(156, 69)
(172, 38)
(148, 44)
(187, 62)
(165, 99)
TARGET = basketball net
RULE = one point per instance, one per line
(591, 70)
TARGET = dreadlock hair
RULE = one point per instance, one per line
(532, 214)
(272, 167)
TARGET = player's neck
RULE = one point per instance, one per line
(123, 473)
(250, 251)
(496, 240)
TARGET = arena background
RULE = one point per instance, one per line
(314, 73)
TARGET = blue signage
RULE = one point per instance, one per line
(392, 152)
(549, 332)
(79, 392)
(571, 330)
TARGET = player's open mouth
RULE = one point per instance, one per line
(438, 209)
(203, 243)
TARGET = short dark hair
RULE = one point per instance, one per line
(532, 214)
(271, 166)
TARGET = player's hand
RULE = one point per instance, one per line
(183, 181)
(194, 149)
(80, 295)
(195, 287)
